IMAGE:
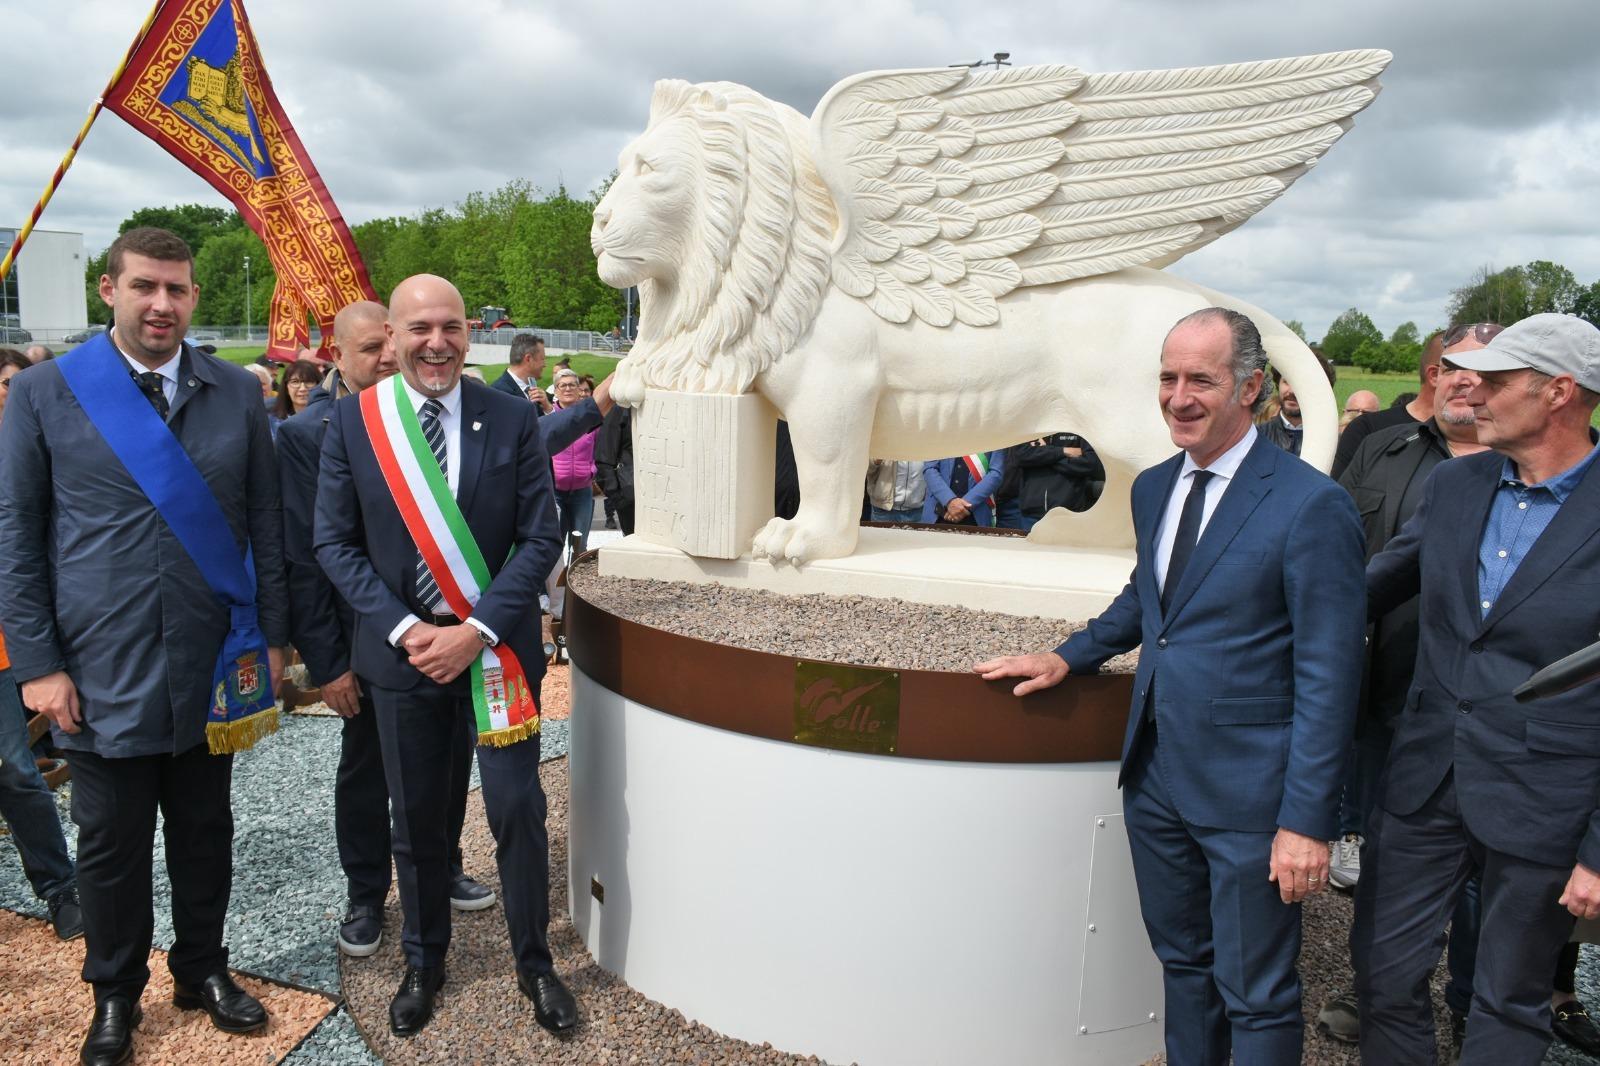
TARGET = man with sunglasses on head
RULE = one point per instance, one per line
(1407, 414)
(1504, 550)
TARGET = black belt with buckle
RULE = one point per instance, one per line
(444, 620)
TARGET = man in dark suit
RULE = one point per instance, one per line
(321, 626)
(1504, 550)
(415, 651)
(522, 376)
(115, 634)
(1246, 598)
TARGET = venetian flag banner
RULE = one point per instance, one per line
(195, 85)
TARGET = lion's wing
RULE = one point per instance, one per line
(955, 187)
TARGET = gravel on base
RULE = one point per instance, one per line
(863, 630)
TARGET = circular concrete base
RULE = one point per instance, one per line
(858, 907)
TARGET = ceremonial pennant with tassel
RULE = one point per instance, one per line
(195, 85)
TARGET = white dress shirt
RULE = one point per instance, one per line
(167, 370)
(1223, 468)
(450, 423)
(528, 385)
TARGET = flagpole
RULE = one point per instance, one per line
(66, 161)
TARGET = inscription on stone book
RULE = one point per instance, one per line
(662, 491)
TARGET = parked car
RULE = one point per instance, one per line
(203, 336)
(11, 331)
(83, 335)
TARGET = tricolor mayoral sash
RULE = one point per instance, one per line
(243, 707)
(502, 699)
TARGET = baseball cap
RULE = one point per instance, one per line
(1549, 343)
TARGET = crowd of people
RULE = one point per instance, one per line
(1322, 697)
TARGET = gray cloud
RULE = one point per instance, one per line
(1484, 147)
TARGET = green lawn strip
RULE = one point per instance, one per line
(598, 365)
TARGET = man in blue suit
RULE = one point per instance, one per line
(415, 650)
(1247, 601)
(1505, 551)
(115, 633)
(956, 495)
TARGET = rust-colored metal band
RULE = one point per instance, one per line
(943, 715)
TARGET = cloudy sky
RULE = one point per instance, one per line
(1484, 148)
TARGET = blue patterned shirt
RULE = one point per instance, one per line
(1518, 514)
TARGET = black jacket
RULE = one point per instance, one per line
(1051, 478)
(613, 457)
(1388, 466)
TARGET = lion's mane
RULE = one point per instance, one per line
(761, 244)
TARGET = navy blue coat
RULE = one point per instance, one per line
(321, 623)
(1527, 775)
(1256, 669)
(96, 584)
(506, 494)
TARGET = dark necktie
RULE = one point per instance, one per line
(150, 384)
(1194, 506)
(427, 588)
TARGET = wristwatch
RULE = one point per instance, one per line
(488, 641)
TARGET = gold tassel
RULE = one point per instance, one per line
(501, 738)
(241, 734)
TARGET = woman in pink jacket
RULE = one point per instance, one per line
(574, 469)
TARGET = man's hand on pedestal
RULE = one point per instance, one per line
(449, 652)
(1299, 865)
(55, 697)
(1044, 670)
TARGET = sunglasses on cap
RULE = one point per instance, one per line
(1482, 332)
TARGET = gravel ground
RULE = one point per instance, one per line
(480, 1007)
(288, 891)
(855, 629)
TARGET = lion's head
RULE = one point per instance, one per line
(718, 215)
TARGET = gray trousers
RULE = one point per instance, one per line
(1412, 870)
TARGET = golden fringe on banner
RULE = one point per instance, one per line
(230, 738)
(501, 738)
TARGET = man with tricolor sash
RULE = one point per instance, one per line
(145, 612)
(961, 489)
(436, 523)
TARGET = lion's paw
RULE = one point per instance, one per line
(798, 540)
(627, 386)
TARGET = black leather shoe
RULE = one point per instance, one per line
(109, 1041)
(553, 1005)
(361, 932)
(232, 1009)
(469, 895)
(412, 1006)
(1570, 1023)
(66, 915)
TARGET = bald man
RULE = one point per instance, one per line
(436, 522)
(1362, 402)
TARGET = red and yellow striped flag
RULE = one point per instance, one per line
(196, 86)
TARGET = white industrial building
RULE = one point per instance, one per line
(43, 295)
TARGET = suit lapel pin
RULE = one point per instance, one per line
(476, 426)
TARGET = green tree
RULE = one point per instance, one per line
(1296, 327)
(1551, 287)
(1492, 296)
(1587, 304)
(1346, 334)
(219, 271)
(1406, 333)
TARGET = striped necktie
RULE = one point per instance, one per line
(427, 588)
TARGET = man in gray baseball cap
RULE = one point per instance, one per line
(1474, 779)
(1550, 344)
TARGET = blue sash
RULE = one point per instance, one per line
(242, 704)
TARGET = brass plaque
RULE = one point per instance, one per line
(847, 708)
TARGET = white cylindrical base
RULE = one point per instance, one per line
(860, 908)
